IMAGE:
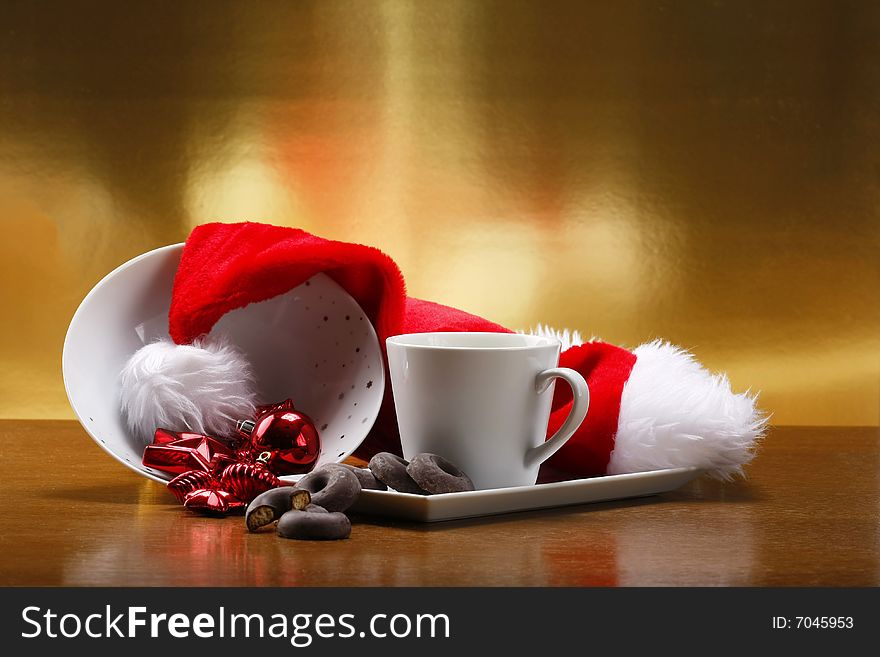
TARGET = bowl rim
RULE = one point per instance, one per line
(178, 246)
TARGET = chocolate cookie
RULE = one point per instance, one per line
(437, 475)
(267, 507)
(332, 486)
(390, 469)
(310, 526)
(366, 477)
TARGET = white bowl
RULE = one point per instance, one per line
(313, 345)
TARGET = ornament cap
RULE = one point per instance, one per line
(245, 427)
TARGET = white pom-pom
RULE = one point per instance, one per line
(674, 413)
(205, 387)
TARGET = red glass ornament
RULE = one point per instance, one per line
(211, 478)
(282, 438)
(222, 490)
(175, 452)
(212, 502)
(246, 480)
(184, 484)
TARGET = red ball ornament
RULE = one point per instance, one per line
(282, 438)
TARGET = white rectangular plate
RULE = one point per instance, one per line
(472, 504)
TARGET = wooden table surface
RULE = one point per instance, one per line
(809, 514)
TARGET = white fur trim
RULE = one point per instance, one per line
(674, 413)
(205, 387)
(567, 338)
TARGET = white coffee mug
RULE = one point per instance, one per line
(482, 401)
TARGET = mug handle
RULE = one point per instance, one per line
(580, 404)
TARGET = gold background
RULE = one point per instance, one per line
(702, 171)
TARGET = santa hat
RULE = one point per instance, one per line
(656, 407)
(652, 407)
